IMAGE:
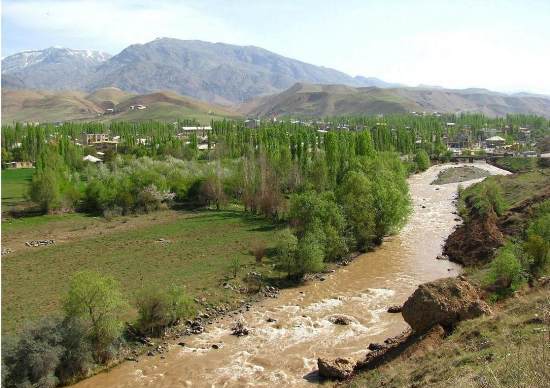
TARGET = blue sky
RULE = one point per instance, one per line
(497, 44)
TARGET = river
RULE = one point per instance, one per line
(285, 352)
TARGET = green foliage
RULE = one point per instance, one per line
(505, 271)
(286, 247)
(311, 210)
(537, 244)
(483, 198)
(45, 354)
(309, 254)
(235, 266)
(422, 160)
(159, 308)
(97, 301)
(53, 185)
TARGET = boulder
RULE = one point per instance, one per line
(239, 330)
(338, 369)
(445, 302)
(341, 320)
(376, 346)
(395, 309)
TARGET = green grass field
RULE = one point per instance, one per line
(15, 183)
(198, 255)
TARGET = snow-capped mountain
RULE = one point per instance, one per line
(54, 67)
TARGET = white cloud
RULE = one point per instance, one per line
(117, 24)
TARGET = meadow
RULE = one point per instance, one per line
(15, 184)
(190, 249)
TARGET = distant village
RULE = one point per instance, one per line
(462, 142)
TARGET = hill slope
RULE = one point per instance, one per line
(326, 100)
(42, 106)
(216, 72)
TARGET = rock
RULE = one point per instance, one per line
(395, 309)
(239, 330)
(131, 359)
(341, 320)
(182, 344)
(270, 320)
(445, 302)
(338, 369)
(441, 257)
(375, 346)
(215, 346)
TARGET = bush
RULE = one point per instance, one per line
(159, 309)
(46, 353)
(286, 247)
(309, 254)
(97, 302)
(484, 198)
(505, 271)
(258, 250)
(537, 245)
(33, 358)
(422, 160)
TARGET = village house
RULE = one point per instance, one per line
(21, 164)
(100, 141)
(495, 142)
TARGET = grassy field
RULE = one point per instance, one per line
(511, 348)
(197, 254)
(15, 183)
(516, 164)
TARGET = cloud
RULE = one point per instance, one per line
(116, 24)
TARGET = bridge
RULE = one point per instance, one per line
(472, 158)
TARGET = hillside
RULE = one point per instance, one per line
(43, 106)
(217, 72)
(326, 100)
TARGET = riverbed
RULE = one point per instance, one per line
(289, 333)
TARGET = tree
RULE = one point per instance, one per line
(287, 243)
(159, 308)
(505, 272)
(422, 160)
(356, 198)
(309, 254)
(97, 301)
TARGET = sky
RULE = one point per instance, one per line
(502, 45)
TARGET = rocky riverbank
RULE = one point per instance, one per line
(456, 338)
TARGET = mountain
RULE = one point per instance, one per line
(105, 104)
(51, 69)
(313, 100)
(216, 72)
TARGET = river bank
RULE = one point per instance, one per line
(288, 333)
(508, 348)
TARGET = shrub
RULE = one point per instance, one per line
(32, 359)
(159, 308)
(258, 251)
(537, 245)
(98, 303)
(235, 266)
(505, 271)
(422, 160)
(309, 254)
(287, 243)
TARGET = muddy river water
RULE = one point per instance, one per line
(285, 352)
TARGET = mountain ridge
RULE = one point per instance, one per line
(313, 100)
(215, 72)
